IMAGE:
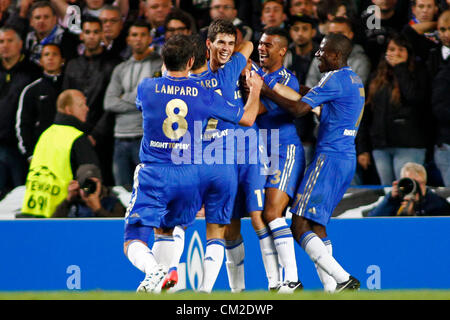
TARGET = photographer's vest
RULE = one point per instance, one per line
(50, 171)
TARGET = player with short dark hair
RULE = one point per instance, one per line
(282, 179)
(167, 188)
(340, 95)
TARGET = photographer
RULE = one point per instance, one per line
(411, 197)
(87, 197)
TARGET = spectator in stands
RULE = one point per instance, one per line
(421, 31)
(87, 197)
(91, 8)
(327, 10)
(303, 7)
(396, 122)
(43, 22)
(156, 13)
(114, 33)
(298, 59)
(6, 12)
(120, 100)
(420, 202)
(37, 103)
(177, 22)
(440, 102)
(273, 14)
(440, 56)
(59, 152)
(15, 73)
(226, 9)
(358, 60)
(90, 73)
(390, 21)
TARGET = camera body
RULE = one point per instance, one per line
(89, 186)
(408, 187)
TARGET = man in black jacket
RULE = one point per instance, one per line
(15, 74)
(90, 73)
(37, 103)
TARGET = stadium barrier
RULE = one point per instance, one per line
(87, 254)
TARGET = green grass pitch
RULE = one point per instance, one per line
(222, 295)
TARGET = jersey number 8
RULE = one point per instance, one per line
(175, 118)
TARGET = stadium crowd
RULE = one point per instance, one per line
(71, 94)
(400, 51)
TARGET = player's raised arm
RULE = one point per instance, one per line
(287, 99)
(251, 108)
(245, 48)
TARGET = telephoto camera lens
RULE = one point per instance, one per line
(89, 186)
(407, 186)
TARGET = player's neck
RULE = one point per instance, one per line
(178, 74)
(214, 65)
(200, 70)
(273, 68)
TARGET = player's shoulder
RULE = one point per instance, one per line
(148, 82)
(286, 77)
(333, 78)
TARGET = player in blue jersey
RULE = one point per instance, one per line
(222, 74)
(166, 190)
(340, 95)
(287, 159)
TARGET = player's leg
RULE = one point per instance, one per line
(214, 254)
(328, 282)
(316, 249)
(141, 256)
(171, 278)
(220, 187)
(143, 214)
(312, 210)
(268, 251)
(235, 254)
(274, 207)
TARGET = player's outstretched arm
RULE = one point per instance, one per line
(287, 99)
(252, 106)
(245, 48)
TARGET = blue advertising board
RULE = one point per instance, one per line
(87, 254)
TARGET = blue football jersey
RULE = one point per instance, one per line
(276, 117)
(175, 113)
(341, 94)
(224, 81)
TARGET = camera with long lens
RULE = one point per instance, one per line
(89, 186)
(408, 187)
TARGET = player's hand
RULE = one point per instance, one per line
(364, 160)
(93, 200)
(73, 190)
(254, 81)
(303, 90)
(317, 111)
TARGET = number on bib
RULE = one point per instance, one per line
(175, 118)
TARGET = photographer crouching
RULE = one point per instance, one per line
(87, 197)
(411, 197)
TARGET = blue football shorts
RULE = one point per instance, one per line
(324, 185)
(164, 195)
(291, 166)
(218, 184)
(250, 196)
